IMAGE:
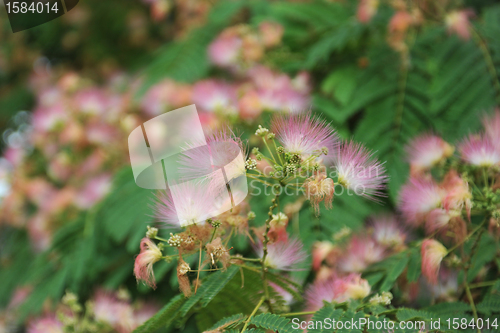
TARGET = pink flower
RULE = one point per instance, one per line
(427, 150)
(357, 170)
(492, 126)
(225, 50)
(433, 253)
(458, 195)
(143, 267)
(214, 96)
(360, 253)
(336, 289)
(366, 10)
(283, 255)
(479, 151)
(271, 33)
(184, 204)
(117, 313)
(95, 189)
(320, 252)
(250, 106)
(48, 324)
(458, 22)
(387, 231)
(417, 198)
(143, 313)
(92, 101)
(304, 134)
(164, 95)
(400, 21)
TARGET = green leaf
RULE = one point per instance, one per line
(165, 317)
(327, 312)
(414, 265)
(489, 305)
(398, 265)
(273, 322)
(228, 322)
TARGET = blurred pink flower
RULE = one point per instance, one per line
(91, 101)
(387, 230)
(432, 253)
(361, 252)
(479, 151)
(336, 289)
(249, 105)
(225, 50)
(492, 127)
(427, 150)
(417, 198)
(215, 96)
(458, 22)
(165, 95)
(271, 33)
(117, 313)
(94, 190)
(366, 10)
(47, 324)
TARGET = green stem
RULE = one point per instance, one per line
(247, 322)
(482, 284)
(466, 238)
(489, 61)
(247, 259)
(294, 314)
(265, 252)
(276, 149)
(161, 239)
(269, 149)
(471, 301)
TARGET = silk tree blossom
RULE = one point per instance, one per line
(304, 134)
(114, 311)
(225, 50)
(366, 10)
(320, 252)
(458, 195)
(47, 324)
(336, 289)
(184, 204)
(426, 151)
(432, 253)
(387, 231)
(164, 95)
(143, 267)
(357, 170)
(458, 22)
(361, 252)
(215, 96)
(418, 198)
(479, 151)
(283, 255)
(492, 128)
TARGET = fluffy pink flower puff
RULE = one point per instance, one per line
(492, 128)
(425, 151)
(48, 324)
(432, 253)
(479, 150)
(358, 171)
(283, 255)
(304, 134)
(143, 266)
(336, 289)
(418, 198)
(387, 231)
(458, 22)
(215, 96)
(361, 252)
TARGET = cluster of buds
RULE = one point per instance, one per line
(384, 298)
